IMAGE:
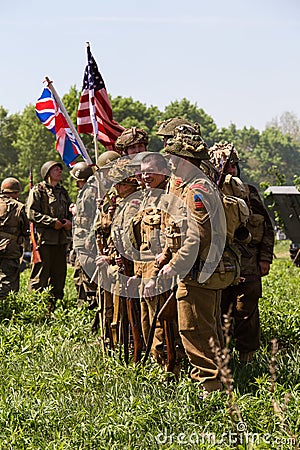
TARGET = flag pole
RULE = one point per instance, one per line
(69, 121)
(74, 131)
(93, 118)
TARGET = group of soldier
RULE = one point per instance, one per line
(165, 246)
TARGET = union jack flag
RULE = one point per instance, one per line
(94, 115)
(48, 112)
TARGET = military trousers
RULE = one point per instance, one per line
(51, 271)
(9, 276)
(199, 321)
(245, 313)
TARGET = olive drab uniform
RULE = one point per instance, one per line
(102, 230)
(14, 228)
(199, 318)
(46, 204)
(245, 295)
(84, 243)
(147, 236)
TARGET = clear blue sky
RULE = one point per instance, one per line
(237, 59)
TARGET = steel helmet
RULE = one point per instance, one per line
(10, 185)
(130, 137)
(81, 171)
(47, 166)
(167, 127)
(106, 158)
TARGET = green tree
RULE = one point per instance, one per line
(8, 129)
(34, 145)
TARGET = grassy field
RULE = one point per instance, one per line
(58, 392)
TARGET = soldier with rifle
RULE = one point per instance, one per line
(125, 308)
(83, 218)
(148, 238)
(14, 229)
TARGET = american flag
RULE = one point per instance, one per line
(49, 113)
(94, 115)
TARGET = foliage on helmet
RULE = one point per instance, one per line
(122, 172)
(131, 136)
(10, 185)
(188, 142)
(220, 151)
(167, 127)
(47, 166)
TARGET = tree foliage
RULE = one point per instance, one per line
(268, 157)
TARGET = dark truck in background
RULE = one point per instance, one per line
(285, 200)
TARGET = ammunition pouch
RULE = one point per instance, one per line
(255, 226)
(227, 272)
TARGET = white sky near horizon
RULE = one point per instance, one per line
(236, 59)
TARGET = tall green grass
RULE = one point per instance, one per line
(58, 392)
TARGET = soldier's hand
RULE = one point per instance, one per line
(167, 271)
(160, 260)
(264, 267)
(58, 225)
(72, 209)
(102, 261)
(67, 225)
(149, 289)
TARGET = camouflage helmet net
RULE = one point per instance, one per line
(188, 142)
(122, 172)
(220, 151)
(10, 185)
(130, 137)
(167, 127)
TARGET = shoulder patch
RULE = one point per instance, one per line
(198, 202)
(199, 186)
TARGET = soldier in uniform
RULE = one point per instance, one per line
(256, 257)
(83, 219)
(188, 232)
(114, 259)
(132, 141)
(48, 207)
(14, 228)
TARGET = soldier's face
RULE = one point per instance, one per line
(136, 148)
(55, 173)
(152, 176)
(232, 169)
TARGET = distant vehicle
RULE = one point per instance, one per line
(286, 200)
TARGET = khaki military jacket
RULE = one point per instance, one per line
(147, 231)
(84, 219)
(14, 227)
(46, 204)
(187, 223)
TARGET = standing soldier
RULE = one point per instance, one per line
(189, 241)
(256, 257)
(14, 228)
(48, 207)
(83, 220)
